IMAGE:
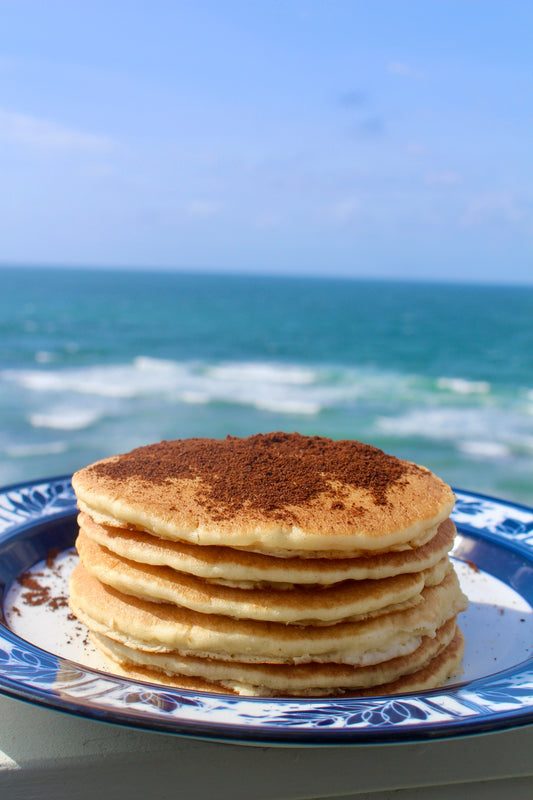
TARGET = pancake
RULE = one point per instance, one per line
(274, 493)
(301, 605)
(248, 569)
(268, 679)
(162, 627)
(431, 674)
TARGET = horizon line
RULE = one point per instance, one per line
(209, 272)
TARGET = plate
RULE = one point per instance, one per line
(494, 557)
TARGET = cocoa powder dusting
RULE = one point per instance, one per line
(37, 594)
(51, 556)
(266, 472)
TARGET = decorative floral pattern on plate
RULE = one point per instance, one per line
(26, 502)
(475, 512)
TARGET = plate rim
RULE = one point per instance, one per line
(463, 709)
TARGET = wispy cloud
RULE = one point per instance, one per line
(403, 69)
(37, 133)
(498, 208)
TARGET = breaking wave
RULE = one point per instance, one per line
(475, 417)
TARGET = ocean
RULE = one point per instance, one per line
(96, 362)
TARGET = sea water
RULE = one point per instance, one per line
(96, 362)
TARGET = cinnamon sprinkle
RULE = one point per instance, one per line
(38, 595)
(51, 556)
(266, 472)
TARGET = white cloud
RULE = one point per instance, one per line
(498, 208)
(37, 133)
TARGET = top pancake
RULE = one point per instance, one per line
(274, 493)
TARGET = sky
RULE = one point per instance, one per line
(385, 138)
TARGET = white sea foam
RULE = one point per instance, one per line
(257, 372)
(103, 381)
(65, 419)
(462, 386)
(263, 385)
(268, 386)
(155, 365)
(289, 406)
(31, 450)
(44, 357)
(79, 398)
(489, 449)
(194, 398)
(483, 433)
(279, 388)
(436, 423)
(116, 381)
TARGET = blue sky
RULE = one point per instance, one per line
(384, 138)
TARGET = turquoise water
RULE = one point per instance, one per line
(97, 362)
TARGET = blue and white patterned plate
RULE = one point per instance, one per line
(494, 548)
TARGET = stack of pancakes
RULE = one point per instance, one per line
(278, 564)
